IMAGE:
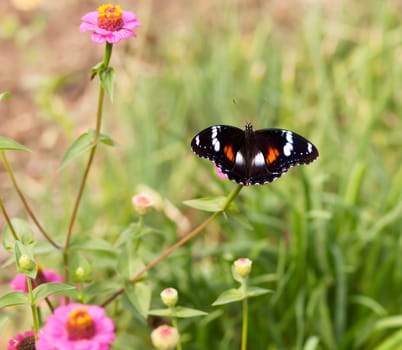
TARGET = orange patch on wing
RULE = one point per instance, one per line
(229, 152)
(272, 154)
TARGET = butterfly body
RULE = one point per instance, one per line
(251, 157)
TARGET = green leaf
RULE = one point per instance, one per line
(210, 204)
(92, 244)
(23, 231)
(46, 289)
(229, 296)
(13, 298)
(256, 291)
(178, 312)
(81, 145)
(5, 95)
(95, 69)
(107, 80)
(128, 266)
(7, 144)
(107, 140)
(139, 296)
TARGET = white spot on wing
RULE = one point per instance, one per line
(309, 147)
(289, 137)
(197, 140)
(287, 149)
(259, 160)
(239, 159)
(217, 145)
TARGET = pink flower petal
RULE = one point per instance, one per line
(91, 17)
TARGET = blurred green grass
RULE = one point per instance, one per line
(326, 237)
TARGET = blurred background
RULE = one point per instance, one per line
(326, 238)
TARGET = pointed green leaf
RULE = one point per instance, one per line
(81, 145)
(229, 296)
(256, 291)
(95, 69)
(107, 81)
(210, 204)
(23, 231)
(178, 312)
(13, 298)
(128, 266)
(46, 289)
(92, 244)
(7, 144)
(107, 140)
(140, 297)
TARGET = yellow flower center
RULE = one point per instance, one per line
(110, 17)
(80, 325)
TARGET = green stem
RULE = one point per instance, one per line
(25, 202)
(178, 244)
(33, 308)
(175, 325)
(106, 60)
(245, 325)
(10, 225)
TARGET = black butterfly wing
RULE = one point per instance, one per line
(281, 149)
(220, 144)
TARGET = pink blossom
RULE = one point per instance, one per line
(220, 173)
(22, 341)
(110, 24)
(77, 327)
(19, 283)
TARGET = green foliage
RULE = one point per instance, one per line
(7, 144)
(325, 238)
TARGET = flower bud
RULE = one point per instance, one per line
(141, 202)
(79, 272)
(243, 267)
(25, 262)
(165, 337)
(169, 296)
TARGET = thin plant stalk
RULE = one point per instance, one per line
(34, 310)
(106, 60)
(175, 325)
(245, 324)
(10, 225)
(25, 202)
(178, 244)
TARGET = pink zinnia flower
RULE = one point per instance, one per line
(25, 341)
(77, 327)
(19, 283)
(110, 24)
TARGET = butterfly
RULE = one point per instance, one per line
(251, 157)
